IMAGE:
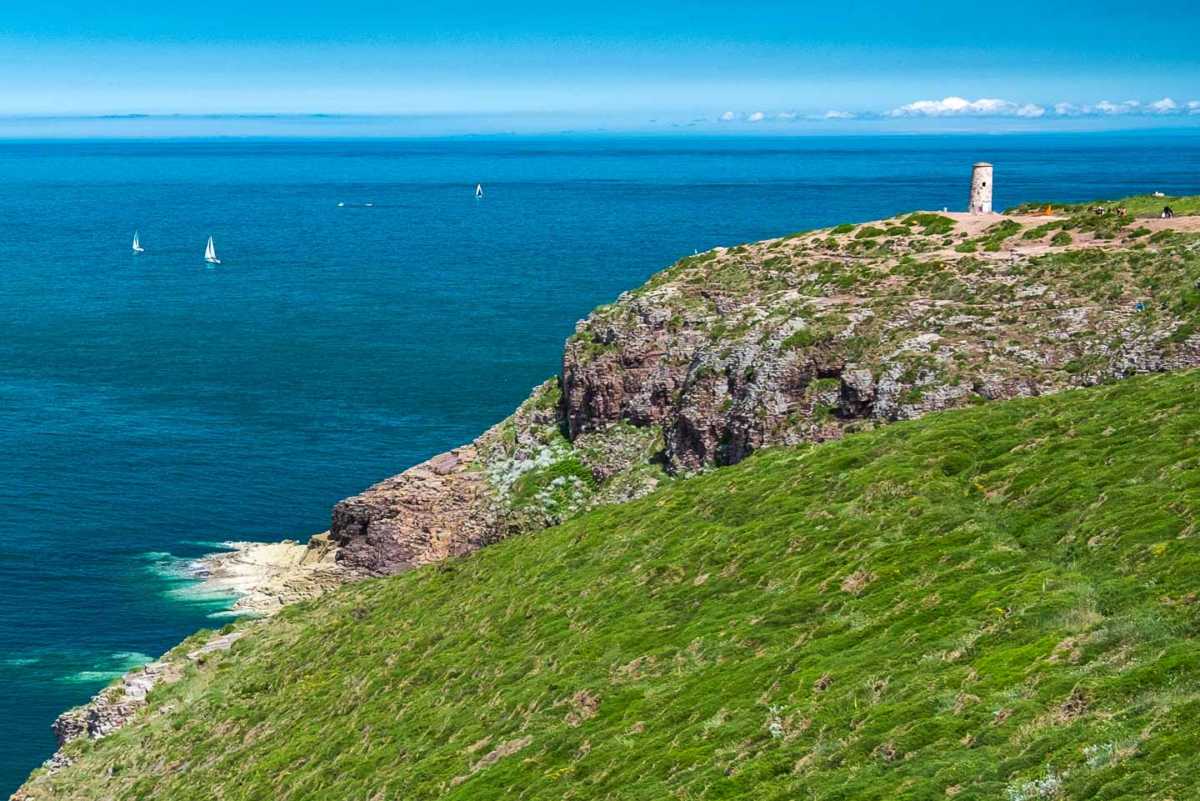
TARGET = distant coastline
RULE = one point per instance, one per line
(145, 125)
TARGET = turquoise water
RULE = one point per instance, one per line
(153, 407)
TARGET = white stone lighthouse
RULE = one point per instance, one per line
(981, 189)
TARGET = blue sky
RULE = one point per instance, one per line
(753, 66)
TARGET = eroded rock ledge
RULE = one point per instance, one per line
(441, 508)
(266, 576)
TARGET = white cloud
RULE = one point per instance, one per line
(1107, 108)
(985, 107)
(959, 107)
(1128, 107)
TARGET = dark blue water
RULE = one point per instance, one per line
(152, 407)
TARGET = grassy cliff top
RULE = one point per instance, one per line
(996, 602)
(1141, 206)
(915, 252)
(808, 336)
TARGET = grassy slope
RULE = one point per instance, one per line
(1136, 206)
(950, 607)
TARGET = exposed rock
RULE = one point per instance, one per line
(267, 576)
(440, 508)
(521, 475)
(780, 342)
(115, 705)
(788, 340)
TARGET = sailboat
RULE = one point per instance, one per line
(137, 245)
(479, 191)
(210, 253)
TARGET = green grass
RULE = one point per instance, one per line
(1136, 206)
(591, 348)
(952, 607)
(931, 224)
(803, 338)
(992, 239)
(1110, 224)
(1002, 230)
(1042, 230)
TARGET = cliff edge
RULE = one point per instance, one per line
(799, 339)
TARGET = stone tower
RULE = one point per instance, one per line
(981, 189)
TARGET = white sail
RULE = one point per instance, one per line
(478, 190)
(210, 253)
(137, 245)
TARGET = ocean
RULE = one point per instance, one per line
(369, 313)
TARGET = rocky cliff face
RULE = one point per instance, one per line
(791, 340)
(441, 508)
(521, 475)
(803, 338)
